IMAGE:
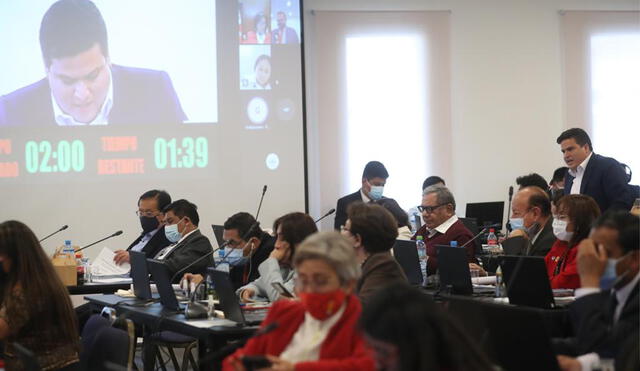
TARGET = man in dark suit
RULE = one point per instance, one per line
(531, 220)
(82, 87)
(284, 34)
(152, 238)
(187, 243)
(251, 246)
(606, 311)
(374, 177)
(602, 178)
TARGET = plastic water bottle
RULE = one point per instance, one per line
(422, 257)
(222, 264)
(68, 249)
(500, 288)
(453, 243)
(492, 239)
(87, 269)
(211, 296)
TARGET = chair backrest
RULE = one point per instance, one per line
(105, 347)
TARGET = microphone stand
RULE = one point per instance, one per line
(106, 238)
(59, 230)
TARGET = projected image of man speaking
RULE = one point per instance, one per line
(82, 86)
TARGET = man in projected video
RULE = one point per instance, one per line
(82, 87)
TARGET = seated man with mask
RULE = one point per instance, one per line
(531, 219)
(246, 254)
(605, 313)
(187, 243)
(152, 238)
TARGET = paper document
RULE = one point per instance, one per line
(488, 280)
(103, 265)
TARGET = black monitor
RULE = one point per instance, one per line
(486, 213)
(453, 267)
(162, 277)
(140, 275)
(406, 255)
(527, 281)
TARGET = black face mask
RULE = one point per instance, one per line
(149, 223)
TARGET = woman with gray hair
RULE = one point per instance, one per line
(319, 331)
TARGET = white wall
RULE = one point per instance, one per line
(507, 90)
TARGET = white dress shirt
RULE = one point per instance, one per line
(144, 240)
(578, 175)
(306, 342)
(444, 227)
(62, 119)
(365, 199)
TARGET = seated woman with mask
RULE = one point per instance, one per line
(36, 311)
(318, 332)
(372, 231)
(291, 229)
(571, 225)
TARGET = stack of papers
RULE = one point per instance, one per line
(103, 268)
(488, 280)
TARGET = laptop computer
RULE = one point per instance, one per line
(229, 301)
(140, 276)
(218, 231)
(527, 281)
(453, 267)
(519, 337)
(162, 277)
(406, 255)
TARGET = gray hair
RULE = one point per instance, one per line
(443, 194)
(332, 248)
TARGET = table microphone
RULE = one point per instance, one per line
(509, 209)
(59, 230)
(264, 190)
(325, 215)
(474, 237)
(106, 238)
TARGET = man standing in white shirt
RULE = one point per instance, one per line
(602, 178)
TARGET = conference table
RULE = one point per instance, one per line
(212, 334)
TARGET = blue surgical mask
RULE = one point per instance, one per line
(516, 223)
(235, 257)
(609, 276)
(376, 192)
(172, 233)
(560, 230)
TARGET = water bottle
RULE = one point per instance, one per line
(87, 269)
(422, 257)
(68, 249)
(492, 239)
(79, 269)
(453, 243)
(211, 296)
(222, 264)
(500, 288)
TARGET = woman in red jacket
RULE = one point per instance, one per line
(571, 224)
(318, 331)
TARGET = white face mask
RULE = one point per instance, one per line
(560, 230)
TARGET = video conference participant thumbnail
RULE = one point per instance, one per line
(82, 86)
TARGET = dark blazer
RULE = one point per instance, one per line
(592, 317)
(290, 34)
(341, 208)
(378, 271)
(154, 245)
(190, 249)
(140, 96)
(240, 275)
(545, 240)
(605, 181)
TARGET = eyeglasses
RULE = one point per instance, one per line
(233, 243)
(149, 214)
(429, 209)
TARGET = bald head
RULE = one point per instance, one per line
(531, 204)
